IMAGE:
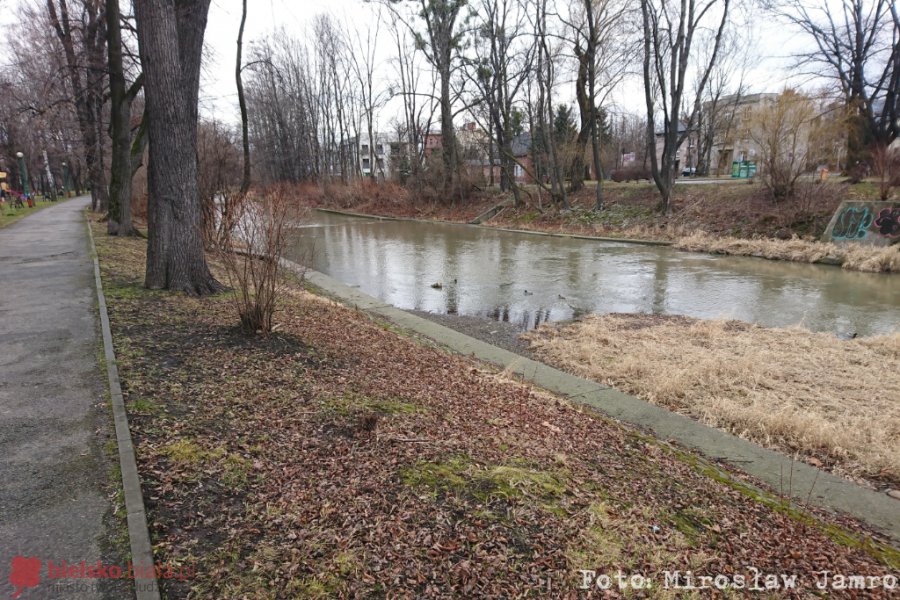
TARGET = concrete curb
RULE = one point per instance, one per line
(575, 236)
(792, 479)
(141, 548)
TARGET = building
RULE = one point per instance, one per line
(522, 150)
(375, 161)
(386, 159)
(433, 142)
(686, 157)
(731, 136)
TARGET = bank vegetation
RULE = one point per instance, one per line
(832, 402)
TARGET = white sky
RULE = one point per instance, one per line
(772, 46)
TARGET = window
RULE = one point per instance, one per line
(365, 164)
(379, 149)
(364, 149)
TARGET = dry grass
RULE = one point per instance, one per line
(832, 401)
(853, 256)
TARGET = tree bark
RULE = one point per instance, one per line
(119, 217)
(170, 37)
(242, 102)
(576, 169)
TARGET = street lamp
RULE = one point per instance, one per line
(24, 174)
(65, 180)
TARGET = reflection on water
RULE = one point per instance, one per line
(528, 279)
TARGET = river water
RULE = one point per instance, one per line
(528, 279)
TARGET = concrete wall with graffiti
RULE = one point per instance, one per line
(874, 223)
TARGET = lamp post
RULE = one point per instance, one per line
(24, 173)
(65, 180)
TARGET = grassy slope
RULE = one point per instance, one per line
(338, 458)
(9, 215)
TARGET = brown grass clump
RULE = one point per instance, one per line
(832, 401)
(854, 257)
(872, 260)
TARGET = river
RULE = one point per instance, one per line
(529, 279)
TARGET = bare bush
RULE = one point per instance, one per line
(789, 132)
(886, 167)
(252, 243)
(630, 174)
(218, 169)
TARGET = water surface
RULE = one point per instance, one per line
(528, 279)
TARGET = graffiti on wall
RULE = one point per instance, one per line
(852, 223)
(866, 222)
(888, 222)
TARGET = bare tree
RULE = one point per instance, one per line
(242, 102)
(83, 38)
(602, 45)
(671, 32)
(219, 163)
(303, 108)
(503, 58)
(364, 64)
(121, 96)
(418, 95)
(546, 75)
(37, 114)
(859, 45)
(785, 130)
(725, 89)
(170, 37)
(442, 20)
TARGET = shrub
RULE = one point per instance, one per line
(886, 166)
(630, 174)
(252, 244)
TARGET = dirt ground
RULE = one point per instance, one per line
(341, 458)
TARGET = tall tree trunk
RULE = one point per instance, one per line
(242, 102)
(170, 37)
(448, 135)
(119, 218)
(592, 96)
(576, 169)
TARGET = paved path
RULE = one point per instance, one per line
(53, 416)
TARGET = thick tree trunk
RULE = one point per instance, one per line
(170, 36)
(576, 169)
(119, 218)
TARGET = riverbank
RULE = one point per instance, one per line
(340, 457)
(728, 217)
(830, 401)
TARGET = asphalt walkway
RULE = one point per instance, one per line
(54, 419)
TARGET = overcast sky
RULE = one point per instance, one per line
(770, 48)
